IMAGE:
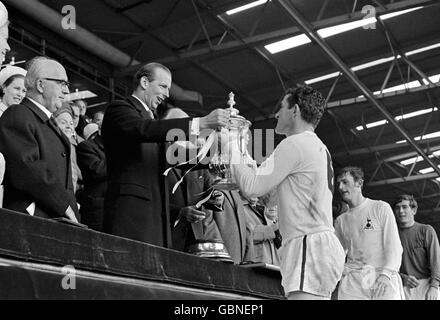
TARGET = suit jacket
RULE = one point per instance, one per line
(82, 122)
(38, 169)
(93, 165)
(232, 225)
(260, 245)
(135, 163)
(195, 187)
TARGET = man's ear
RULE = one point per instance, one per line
(144, 83)
(40, 86)
(295, 110)
(361, 183)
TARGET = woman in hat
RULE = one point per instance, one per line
(12, 86)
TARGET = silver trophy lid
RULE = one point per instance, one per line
(236, 120)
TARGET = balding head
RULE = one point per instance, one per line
(46, 82)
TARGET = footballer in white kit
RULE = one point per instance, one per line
(368, 232)
(300, 169)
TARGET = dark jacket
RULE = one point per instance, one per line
(196, 186)
(93, 165)
(38, 165)
(135, 166)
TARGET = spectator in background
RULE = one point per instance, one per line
(97, 118)
(64, 119)
(76, 137)
(92, 162)
(369, 235)
(190, 224)
(420, 269)
(38, 178)
(4, 48)
(91, 131)
(261, 234)
(82, 120)
(231, 223)
(12, 86)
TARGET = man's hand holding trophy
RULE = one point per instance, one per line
(231, 147)
(228, 141)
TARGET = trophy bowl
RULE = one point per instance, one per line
(212, 249)
(236, 132)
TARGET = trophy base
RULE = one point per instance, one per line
(225, 184)
(211, 249)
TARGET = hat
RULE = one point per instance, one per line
(64, 108)
(90, 129)
(10, 71)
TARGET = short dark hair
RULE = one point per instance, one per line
(310, 101)
(356, 172)
(148, 71)
(408, 197)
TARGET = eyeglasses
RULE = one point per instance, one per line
(63, 83)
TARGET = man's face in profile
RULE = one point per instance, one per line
(76, 114)
(4, 46)
(157, 90)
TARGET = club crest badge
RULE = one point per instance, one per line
(368, 225)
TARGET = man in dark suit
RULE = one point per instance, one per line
(38, 176)
(92, 162)
(134, 147)
(80, 119)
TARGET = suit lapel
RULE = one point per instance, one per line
(58, 131)
(43, 117)
(139, 107)
(258, 213)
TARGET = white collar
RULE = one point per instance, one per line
(143, 103)
(41, 107)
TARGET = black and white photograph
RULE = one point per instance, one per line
(217, 158)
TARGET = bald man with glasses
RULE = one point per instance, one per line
(38, 178)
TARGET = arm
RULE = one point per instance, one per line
(391, 241)
(339, 234)
(271, 173)
(123, 120)
(91, 163)
(392, 249)
(433, 251)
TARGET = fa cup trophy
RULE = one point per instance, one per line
(236, 133)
